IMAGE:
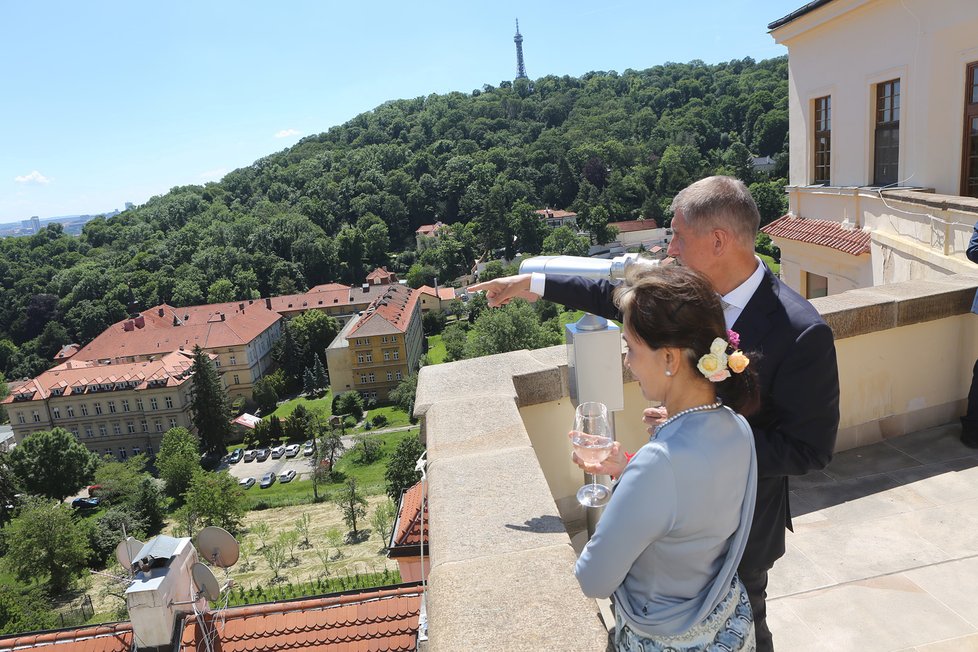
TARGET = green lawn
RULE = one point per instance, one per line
(775, 267)
(323, 405)
(436, 350)
(395, 416)
(370, 477)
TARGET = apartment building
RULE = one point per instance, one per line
(380, 348)
(239, 334)
(118, 409)
(883, 172)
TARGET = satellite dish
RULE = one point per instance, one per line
(126, 552)
(217, 546)
(205, 582)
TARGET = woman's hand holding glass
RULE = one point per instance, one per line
(612, 465)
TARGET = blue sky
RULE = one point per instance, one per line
(105, 102)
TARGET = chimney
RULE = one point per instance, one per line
(160, 311)
(139, 321)
(366, 288)
(176, 322)
(268, 303)
(162, 581)
(222, 316)
(241, 307)
(128, 325)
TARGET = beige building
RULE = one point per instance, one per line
(239, 334)
(883, 108)
(376, 351)
(435, 298)
(118, 409)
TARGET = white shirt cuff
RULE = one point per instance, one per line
(538, 282)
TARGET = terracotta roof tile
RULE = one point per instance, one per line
(183, 328)
(382, 619)
(110, 637)
(634, 225)
(328, 287)
(388, 313)
(821, 232)
(550, 213)
(445, 294)
(407, 528)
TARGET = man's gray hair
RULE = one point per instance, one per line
(721, 202)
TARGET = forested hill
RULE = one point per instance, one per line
(609, 146)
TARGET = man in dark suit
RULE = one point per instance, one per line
(969, 422)
(715, 222)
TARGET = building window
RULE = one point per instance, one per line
(169, 399)
(131, 427)
(234, 359)
(35, 416)
(74, 432)
(98, 408)
(390, 376)
(359, 358)
(969, 168)
(149, 450)
(363, 378)
(56, 413)
(122, 453)
(159, 426)
(135, 450)
(237, 381)
(139, 404)
(102, 431)
(823, 139)
(111, 407)
(815, 286)
(84, 410)
(153, 405)
(20, 418)
(393, 338)
(372, 377)
(886, 151)
(173, 422)
(370, 357)
(397, 355)
(397, 375)
(88, 431)
(387, 355)
(125, 405)
(116, 429)
(70, 410)
(144, 425)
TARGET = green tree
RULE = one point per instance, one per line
(24, 609)
(9, 488)
(215, 499)
(309, 381)
(512, 327)
(178, 460)
(353, 506)
(771, 200)
(454, 338)
(220, 291)
(303, 526)
(299, 424)
(403, 395)
(564, 241)
(368, 449)
(149, 505)
(401, 473)
(52, 463)
(107, 532)
(264, 395)
(45, 540)
(119, 481)
(383, 520)
(349, 403)
(319, 373)
(210, 408)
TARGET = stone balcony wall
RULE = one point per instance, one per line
(501, 484)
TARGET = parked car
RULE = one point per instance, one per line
(292, 450)
(250, 454)
(278, 452)
(247, 483)
(288, 476)
(267, 480)
(308, 448)
(235, 456)
(85, 503)
(263, 454)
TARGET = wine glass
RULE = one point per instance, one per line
(592, 442)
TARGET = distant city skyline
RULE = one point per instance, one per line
(115, 102)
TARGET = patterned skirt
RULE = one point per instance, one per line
(729, 628)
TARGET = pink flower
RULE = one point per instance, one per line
(733, 338)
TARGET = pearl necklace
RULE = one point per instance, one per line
(681, 413)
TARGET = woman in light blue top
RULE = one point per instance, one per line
(668, 543)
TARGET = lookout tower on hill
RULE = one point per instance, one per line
(518, 39)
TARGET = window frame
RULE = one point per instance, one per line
(970, 115)
(822, 129)
(881, 110)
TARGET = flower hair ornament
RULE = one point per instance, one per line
(717, 364)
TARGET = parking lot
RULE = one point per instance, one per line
(256, 469)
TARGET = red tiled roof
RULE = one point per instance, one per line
(407, 530)
(429, 229)
(74, 376)
(389, 313)
(821, 232)
(634, 225)
(551, 214)
(385, 619)
(344, 296)
(111, 637)
(325, 287)
(195, 325)
(445, 294)
(381, 274)
(67, 351)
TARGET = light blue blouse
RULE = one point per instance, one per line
(670, 539)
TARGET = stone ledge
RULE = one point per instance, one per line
(866, 310)
(526, 600)
(490, 504)
(474, 425)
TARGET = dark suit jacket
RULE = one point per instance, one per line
(795, 429)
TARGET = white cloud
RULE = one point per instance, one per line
(212, 175)
(287, 133)
(33, 177)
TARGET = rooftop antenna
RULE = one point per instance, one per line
(518, 39)
(126, 552)
(217, 546)
(421, 467)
